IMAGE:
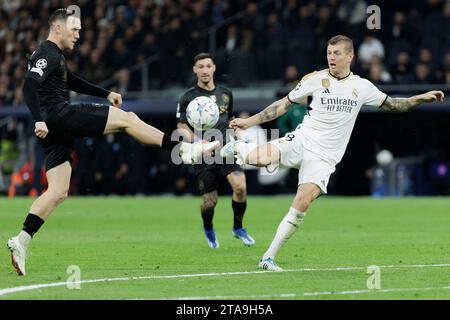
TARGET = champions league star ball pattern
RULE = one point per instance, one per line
(202, 113)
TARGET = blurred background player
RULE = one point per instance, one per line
(58, 123)
(209, 175)
(318, 145)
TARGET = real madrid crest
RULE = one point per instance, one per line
(325, 83)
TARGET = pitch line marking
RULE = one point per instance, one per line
(307, 294)
(6, 291)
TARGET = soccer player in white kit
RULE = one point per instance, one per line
(334, 97)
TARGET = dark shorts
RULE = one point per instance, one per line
(208, 175)
(67, 123)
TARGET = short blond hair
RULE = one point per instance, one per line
(340, 38)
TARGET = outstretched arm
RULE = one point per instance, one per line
(405, 104)
(275, 110)
(80, 85)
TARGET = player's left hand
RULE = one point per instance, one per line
(115, 99)
(431, 96)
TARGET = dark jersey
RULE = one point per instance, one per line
(48, 81)
(47, 65)
(221, 95)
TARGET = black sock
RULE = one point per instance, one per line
(238, 210)
(32, 224)
(207, 216)
(167, 143)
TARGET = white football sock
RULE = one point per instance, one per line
(243, 149)
(286, 229)
(24, 238)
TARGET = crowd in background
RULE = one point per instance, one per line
(412, 46)
(272, 40)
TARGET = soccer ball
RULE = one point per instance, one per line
(202, 113)
(384, 157)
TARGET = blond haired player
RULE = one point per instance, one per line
(334, 97)
(58, 123)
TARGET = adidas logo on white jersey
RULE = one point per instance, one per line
(326, 90)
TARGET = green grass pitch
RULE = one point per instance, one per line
(160, 240)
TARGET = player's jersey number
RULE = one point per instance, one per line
(289, 136)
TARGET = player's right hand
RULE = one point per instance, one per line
(239, 123)
(115, 99)
(431, 96)
(40, 129)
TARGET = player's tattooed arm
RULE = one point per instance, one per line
(405, 104)
(275, 110)
(397, 104)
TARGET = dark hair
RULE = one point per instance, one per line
(340, 38)
(203, 55)
(60, 14)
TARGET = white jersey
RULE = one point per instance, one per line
(335, 104)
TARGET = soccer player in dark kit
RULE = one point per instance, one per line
(58, 123)
(208, 175)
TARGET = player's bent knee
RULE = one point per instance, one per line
(302, 204)
(118, 120)
(63, 196)
(127, 120)
(209, 204)
(209, 201)
(240, 190)
(58, 196)
(132, 117)
(123, 118)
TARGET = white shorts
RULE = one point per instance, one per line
(312, 169)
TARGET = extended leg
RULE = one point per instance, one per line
(251, 153)
(306, 194)
(119, 120)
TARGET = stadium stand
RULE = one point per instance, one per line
(141, 46)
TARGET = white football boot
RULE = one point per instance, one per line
(191, 153)
(18, 255)
(269, 265)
